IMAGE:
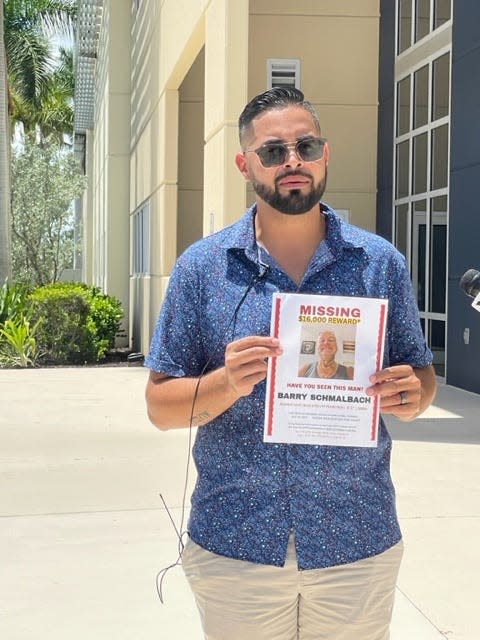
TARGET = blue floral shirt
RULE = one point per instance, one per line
(250, 495)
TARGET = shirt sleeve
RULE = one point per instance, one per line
(176, 346)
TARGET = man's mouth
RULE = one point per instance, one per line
(294, 181)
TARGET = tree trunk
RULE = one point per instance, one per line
(5, 244)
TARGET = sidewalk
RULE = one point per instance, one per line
(83, 531)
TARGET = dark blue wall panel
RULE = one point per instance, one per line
(463, 361)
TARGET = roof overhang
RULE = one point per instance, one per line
(89, 20)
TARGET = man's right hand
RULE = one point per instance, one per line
(246, 362)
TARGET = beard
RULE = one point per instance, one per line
(294, 202)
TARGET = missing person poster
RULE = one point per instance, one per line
(316, 388)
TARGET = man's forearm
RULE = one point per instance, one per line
(175, 402)
(171, 402)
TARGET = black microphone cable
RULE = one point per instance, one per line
(179, 531)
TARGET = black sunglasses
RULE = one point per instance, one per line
(273, 154)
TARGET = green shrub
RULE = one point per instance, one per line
(75, 323)
(18, 345)
(103, 321)
(13, 302)
(61, 316)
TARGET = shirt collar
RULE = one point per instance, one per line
(340, 235)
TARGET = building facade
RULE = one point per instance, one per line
(160, 86)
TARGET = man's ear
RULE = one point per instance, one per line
(241, 163)
(326, 153)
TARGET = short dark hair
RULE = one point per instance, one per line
(276, 98)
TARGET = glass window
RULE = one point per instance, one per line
(441, 86)
(440, 157)
(403, 106)
(421, 180)
(438, 254)
(420, 81)
(402, 169)
(419, 276)
(404, 24)
(437, 345)
(439, 209)
(401, 229)
(442, 10)
(420, 163)
(141, 241)
(422, 19)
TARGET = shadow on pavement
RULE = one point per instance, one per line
(454, 417)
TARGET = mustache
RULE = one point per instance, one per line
(297, 172)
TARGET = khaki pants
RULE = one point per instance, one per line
(240, 600)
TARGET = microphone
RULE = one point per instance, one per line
(263, 270)
(470, 283)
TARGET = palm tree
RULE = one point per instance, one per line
(29, 83)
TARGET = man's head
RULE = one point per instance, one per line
(276, 98)
(327, 344)
(283, 155)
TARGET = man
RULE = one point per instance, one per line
(326, 366)
(285, 541)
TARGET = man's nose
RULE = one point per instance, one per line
(292, 151)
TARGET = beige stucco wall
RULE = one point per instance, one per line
(87, 212)
(189, 82)
(337, 43)
(191, 151)
(195, 63)
(107, 218)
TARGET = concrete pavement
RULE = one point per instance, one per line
(83, 531)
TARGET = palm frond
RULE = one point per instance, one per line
(40, 75)
(30, 63)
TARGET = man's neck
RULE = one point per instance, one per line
(327, 364)
(290, 239)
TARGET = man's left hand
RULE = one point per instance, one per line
(400, 391)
